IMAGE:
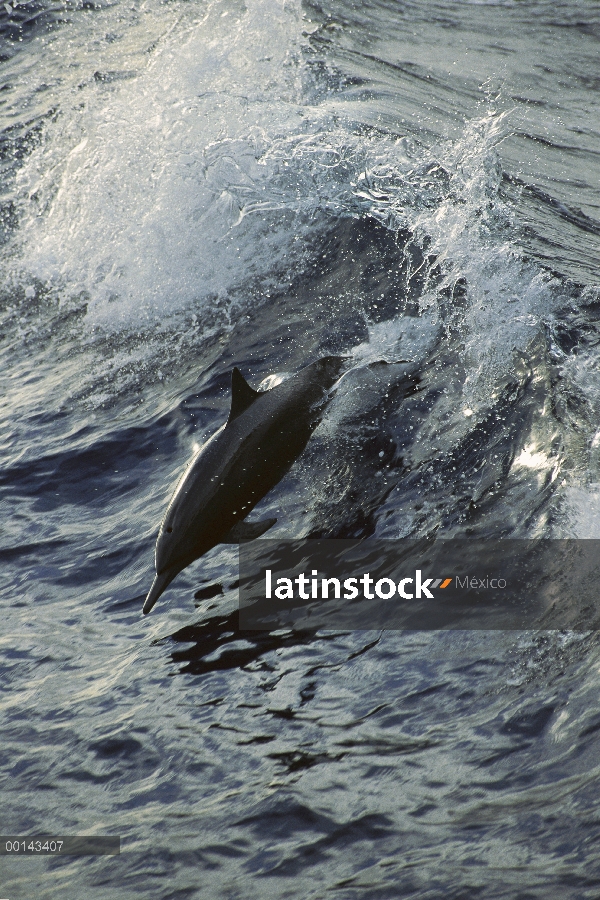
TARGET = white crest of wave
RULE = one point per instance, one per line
(579, 513)
(468, 233)
(202, 176)
(139, 199)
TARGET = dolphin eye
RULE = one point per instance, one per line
(169, 530)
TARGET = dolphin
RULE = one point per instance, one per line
(265, 432)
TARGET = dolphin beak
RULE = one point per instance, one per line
(159, 585)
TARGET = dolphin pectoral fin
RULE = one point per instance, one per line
(247, 531)
(159, 585)
(385, 362)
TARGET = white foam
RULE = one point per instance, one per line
(198, 182)
(406, 339)
(147, 192)
(202, 181)
(579, 512)
(463, 224)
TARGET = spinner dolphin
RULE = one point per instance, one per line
(265, 432)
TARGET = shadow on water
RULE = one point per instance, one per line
(219, 644)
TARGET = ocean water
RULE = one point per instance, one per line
(186, 186)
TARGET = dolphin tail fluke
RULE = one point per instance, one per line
(160, 584)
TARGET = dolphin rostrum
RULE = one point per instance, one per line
(265, 432)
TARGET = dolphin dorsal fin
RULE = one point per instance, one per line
(242, 395)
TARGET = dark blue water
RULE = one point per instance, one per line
(190, 186)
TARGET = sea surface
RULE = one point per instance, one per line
(189, 186)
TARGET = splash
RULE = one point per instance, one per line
(139, 199)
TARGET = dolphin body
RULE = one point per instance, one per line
(265, 432)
